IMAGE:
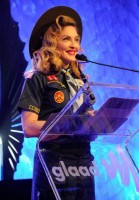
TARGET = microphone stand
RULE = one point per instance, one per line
(84, 58)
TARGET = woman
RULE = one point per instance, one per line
(56, 77)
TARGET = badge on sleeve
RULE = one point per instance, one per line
(59, 97)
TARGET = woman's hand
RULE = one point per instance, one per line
(91, 112)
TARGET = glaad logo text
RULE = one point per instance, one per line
(119, 163)
(62, 172)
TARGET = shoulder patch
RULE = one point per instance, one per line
(51, 78)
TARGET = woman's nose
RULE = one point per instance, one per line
(73, 44)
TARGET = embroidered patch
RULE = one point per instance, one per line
(59, 97)
(33, 108)
(52, 78)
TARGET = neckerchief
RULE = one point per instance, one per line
(74, 85)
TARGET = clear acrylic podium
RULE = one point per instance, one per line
(113, 133)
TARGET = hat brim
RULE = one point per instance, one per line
(46, 20)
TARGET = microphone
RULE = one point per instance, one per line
(82, 57)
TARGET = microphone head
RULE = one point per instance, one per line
(81, 57)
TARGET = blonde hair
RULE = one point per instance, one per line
(47, 58)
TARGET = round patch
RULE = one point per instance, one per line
(59, 97)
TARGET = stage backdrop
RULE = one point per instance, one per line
(111, 36)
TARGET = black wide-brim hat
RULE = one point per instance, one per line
(46, 20)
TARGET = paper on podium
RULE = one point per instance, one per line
(111, 115)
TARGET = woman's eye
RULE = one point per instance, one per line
(66, 38)
(77, 40)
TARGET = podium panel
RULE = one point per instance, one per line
(87, 154)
